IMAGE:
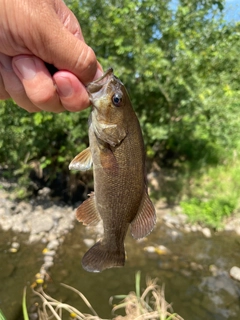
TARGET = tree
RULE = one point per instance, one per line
(177, 63)
(180, 65)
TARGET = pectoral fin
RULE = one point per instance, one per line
(82, 162)
(145, 220)
(112, 134)
(87, 212)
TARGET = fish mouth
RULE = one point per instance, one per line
(97, 85)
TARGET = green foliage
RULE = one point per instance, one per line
(181, 66)
(214, 195)
(45, 140)
(210, 212)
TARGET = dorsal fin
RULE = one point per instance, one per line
(82, 162)
(145, 220)
(87, 212)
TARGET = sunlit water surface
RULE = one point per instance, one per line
(191, 287)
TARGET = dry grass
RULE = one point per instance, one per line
(151, 304)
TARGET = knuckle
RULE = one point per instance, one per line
(88, 62)
(42, 96)
(4, 95)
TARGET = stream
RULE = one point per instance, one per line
(194, 270)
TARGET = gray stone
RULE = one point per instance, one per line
(42, 223)
(88, 242)
(48, 259)
(15, 245)
(50, 253)
(44, 192)
(56, 216)
(150, 249)
(47, 265)
(171, 219)
(186, 273)
(34, 238)
(24, 208)
(53, 245)
(207, 232)
(235, 273)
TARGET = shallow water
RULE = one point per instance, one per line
(189, 285)
(193, 290)
(17, 270)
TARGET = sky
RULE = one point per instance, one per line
(232, 10)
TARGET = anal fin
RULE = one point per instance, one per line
(82, 162)
(145, 220)
(87, 212)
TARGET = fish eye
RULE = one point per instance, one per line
(117, 99)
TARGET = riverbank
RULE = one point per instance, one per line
(48, 221)
(179, 252)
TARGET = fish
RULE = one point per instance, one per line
(116, 153)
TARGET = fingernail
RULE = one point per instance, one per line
(98, 74)
(64, 86)
(26, 67)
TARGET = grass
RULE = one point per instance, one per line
(214, 195)
(2, 315)
(151, 304)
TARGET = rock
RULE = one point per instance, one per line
(56, 216)
(23, 208)
(183, 217)
(237, 230)
(186, 273)
(41, 223)
(165, 265)
(53, 245)
(88, 242)
(48, 259)
(34, 238)
(194, 228)
(187, 228)
(6, 225)
(214, 270)
(195, 266)
(207, 232)
(47, 265)
(162, 250)
(235, 273)
(49, 252)
(219, 292)
(44, 192)
(15, 245)
(171, 220)
(174, 234)
(149, 249)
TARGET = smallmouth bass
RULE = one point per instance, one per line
(116, 152)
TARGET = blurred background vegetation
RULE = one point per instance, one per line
(181, 66)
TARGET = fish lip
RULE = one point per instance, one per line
(99, 83)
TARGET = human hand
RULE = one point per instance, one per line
(36, 31)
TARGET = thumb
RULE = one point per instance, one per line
(57, 45)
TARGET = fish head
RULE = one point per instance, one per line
(111, 108)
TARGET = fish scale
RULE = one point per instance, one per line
(117, 156)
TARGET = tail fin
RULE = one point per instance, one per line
(100, 257)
